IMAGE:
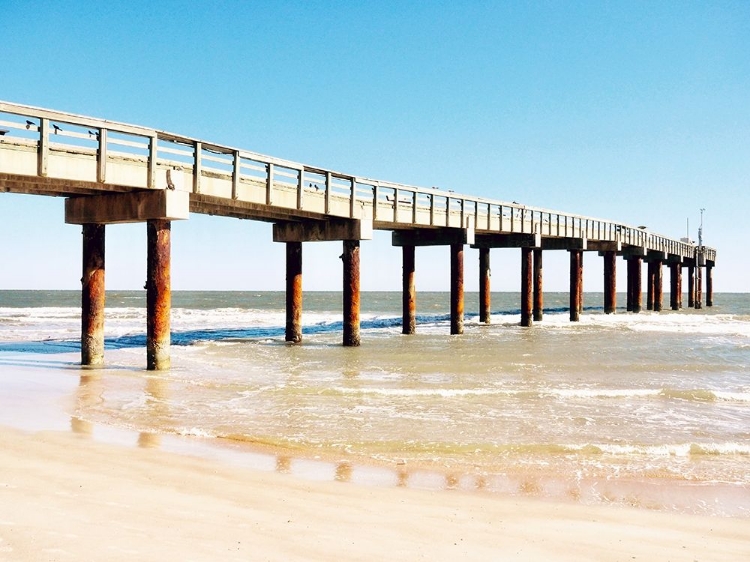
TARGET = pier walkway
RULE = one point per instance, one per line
(116, 173)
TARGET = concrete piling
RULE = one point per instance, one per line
(409, 298)
(658, 286)
(158, 294)
(709, 284)
(351, 293)
(691, 286)
(484, 285)
(293, 292)
(92, 295)
(610, 282)
(526, 286)
(457, 288)
(538, 286)
(576, 274)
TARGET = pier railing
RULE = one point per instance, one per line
(70, 154)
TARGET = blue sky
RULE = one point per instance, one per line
(632, 111)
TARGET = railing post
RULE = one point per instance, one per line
(43, 155)
(101, 157)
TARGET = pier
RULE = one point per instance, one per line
(114, 173)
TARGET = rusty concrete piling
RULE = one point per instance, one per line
(409, 297)
(576, 274)
(674, 285)
(158, 294)
(691, 286)
(457, 289)
(709, 284)
(92, 295)
(610, 282)
(293, 331)
(527, 301)
(484, 285)
(658, 286)
(538, 286)
(650, 284)
(350, 258)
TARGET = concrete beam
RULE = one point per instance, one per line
(507, 241)
(322, 231)
(137, 206)
(633, 251)
(432, 237)
(565, 244)
(602, 246)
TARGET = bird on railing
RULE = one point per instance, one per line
(30, 124)
(94, 134)
(57, 128)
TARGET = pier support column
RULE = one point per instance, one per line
(293, 292)
(484, 285)
(409, 297)
(650, 284)
(709, 284)
(576, 274)
(526, 286)
(351, 293)
(92, 295)
(659, 286)
(538, 286)
(674, 285)
(679, 286)
(698, 287)
(691, 286)
(457, 288)
(610, 282)
(158, 294)
(635, 290)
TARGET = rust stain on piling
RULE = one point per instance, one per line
(610, 282)
(409, 302)
(92, 295)
(294, 292)
(575, 285)
(158, 294)
(484, 285)
(351, 293)
(526, 286)
(538, 286)
(457, 288)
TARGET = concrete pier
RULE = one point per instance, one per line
(409, 297)
(351, 293)
(92, 296)
(293, 332)
(163, 176)
(698, 287)
(610, 282)
(576, 284)
(158, 294)
(484, 286)
(527, 301)
(457, 288)
(538, 286)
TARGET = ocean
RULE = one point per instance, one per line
(649, 410)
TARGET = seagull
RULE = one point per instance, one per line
(56, 128)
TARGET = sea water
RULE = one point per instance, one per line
(649, 409)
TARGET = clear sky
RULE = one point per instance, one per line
(633, 111)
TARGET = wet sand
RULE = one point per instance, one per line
(73, 491)
(66, 497)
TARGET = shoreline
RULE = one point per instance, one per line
(74, 498)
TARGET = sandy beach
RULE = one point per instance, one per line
(65, 497)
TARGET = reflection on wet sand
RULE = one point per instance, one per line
(88, 394)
